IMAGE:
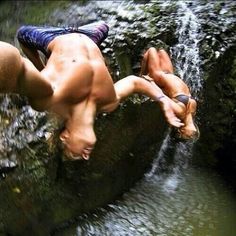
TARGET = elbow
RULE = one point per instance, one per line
(135, 81)
(132, 77)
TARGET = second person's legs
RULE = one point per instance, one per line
(165, 61)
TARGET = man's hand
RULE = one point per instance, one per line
(170, 116)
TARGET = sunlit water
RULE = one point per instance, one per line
(186, 52)
(200, 205)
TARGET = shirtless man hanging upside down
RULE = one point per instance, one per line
(74, 83)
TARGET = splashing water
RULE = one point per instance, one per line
(186, 52)
(157, 162)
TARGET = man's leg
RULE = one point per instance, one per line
(18, 74)
(10, 68)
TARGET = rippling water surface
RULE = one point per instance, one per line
(195, 203)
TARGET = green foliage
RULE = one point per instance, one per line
(15, 13)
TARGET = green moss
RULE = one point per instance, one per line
(25, 12)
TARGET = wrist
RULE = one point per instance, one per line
(159, 98)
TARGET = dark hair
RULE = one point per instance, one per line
(176, 135)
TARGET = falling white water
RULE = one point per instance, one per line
(186, 52)
(186, 59)
(157, 162)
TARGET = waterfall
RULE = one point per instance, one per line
(186, 52)
(160, 160)
(185, 55)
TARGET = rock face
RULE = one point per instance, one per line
(218, 114)
(44, 191)
(218, 99)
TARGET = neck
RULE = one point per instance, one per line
(83, 113)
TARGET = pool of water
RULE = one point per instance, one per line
(196, 202)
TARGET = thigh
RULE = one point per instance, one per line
(165, 61)
(153, 60)
(10, 67)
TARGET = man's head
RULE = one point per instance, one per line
(78, 136)
(78, 142)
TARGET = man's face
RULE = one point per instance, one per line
(78, 145)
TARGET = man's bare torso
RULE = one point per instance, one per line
(76, 75)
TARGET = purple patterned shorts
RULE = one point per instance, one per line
(40, 37)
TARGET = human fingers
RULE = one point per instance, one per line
(176, 122)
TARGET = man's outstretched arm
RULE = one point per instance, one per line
(134, 84)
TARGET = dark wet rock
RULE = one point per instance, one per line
(218, 113)
(218, 102)
(45, 185)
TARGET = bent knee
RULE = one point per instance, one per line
(10, 55)
(10, 66)
(152, 50)
(7, 49)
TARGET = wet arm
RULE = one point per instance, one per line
(133, 84)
